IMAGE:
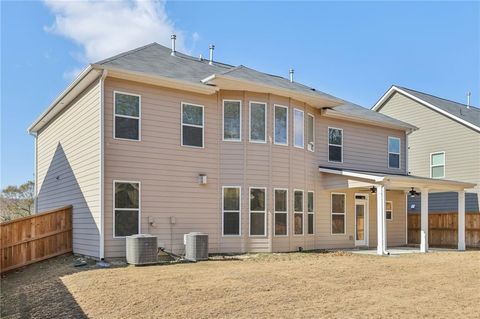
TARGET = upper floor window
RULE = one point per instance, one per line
(126, 211)
(258, 122)
(298, 128)
(310, 132)
(232, 120)
(437, 165)
(127, 116)
(335, 144)
(192, 125)
(393, 152)
(280, 128)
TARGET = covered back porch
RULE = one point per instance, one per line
(377, 185)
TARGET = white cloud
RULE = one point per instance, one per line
(106, 28)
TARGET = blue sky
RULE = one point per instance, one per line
(354, 50)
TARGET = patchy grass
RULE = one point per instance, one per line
(293, 285)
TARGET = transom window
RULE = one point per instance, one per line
(298, 212)
(298, 128)
(258, 211)
(127, 116)
(192, 125)
(389, 210)
(437, 165)
(231, 210)
(393, 152)
(310, 133)
(310, 213)
(280, 128)
(258, 122)
(335, 145)
(126, 212)
(338, 213)
(281, 212)
(232, 120)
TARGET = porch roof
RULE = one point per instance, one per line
(393, 181)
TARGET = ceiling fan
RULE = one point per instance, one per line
(413, 192)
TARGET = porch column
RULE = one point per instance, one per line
(424, 221)
(381, 234)
(461, 220)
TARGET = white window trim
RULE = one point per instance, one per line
(139, 118)
(302, 212)
(223, 122)
(391, 210)
(311, 213)
(399, 153)
(139, 209)
(280, 212)
(328, 140)
(192, 125)
(250, 122)
(257, 211)
(313, 133)
(344, 214)
(303, 128)
(232, 211)
(444, 164)
(274, 126)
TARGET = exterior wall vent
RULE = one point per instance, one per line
(141, 249)
(196, 246)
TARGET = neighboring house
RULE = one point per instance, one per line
(446, 146)
(155, 141)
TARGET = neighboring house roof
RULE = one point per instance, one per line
(469, 116)
(155, 63)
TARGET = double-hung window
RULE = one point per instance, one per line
(393, 152)
(389, 210)
(338, 213)
(310, 213)
(232, 120)
(192, 125)
(281, 211)
(258, 122)
(258, 214)
(231, 210)
(298, 212)
(437, 165)
(280, 127)
(127, 116)
(126, 212)
(335, 145)
(298, 128)
(310, 133)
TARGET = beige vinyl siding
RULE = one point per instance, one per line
(68, 168)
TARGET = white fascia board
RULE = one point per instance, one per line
(374, 178)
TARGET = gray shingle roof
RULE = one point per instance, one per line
(471, 115)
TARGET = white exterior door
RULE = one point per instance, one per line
(361, 220)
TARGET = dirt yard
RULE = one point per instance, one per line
(296, 285)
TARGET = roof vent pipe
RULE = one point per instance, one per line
(173, 37)
(291, 71)
(211, 48)
(468, 99)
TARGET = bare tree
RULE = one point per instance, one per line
(17, 201)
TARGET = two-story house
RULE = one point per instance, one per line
(156, 141)
(446, 146)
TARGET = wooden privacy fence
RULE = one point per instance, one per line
(443, 230)
(33, 238)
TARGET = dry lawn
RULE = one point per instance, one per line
(296, 285)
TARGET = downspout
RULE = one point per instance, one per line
(35, 174)
(102, 166)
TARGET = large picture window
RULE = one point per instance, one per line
(280, 127)
(437, 165)
(298, 128)
(335, 145)
(310, 213)
(192, 125)
(310, 133)
(281, 211)
(338, 214)
(258, 211)
(393, 152)
(258, 122)
(298, 212)
(232, 120)
(127, 116)
(126, 212)
(231, 210)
